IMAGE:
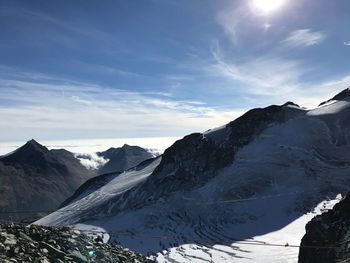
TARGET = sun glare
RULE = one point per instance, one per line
(267, 6)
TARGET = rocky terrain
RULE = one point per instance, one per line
(327, 238)
(34, 178)
(22, 244)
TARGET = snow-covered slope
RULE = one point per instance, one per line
(254, 180)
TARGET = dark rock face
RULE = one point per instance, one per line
(195, 159)
(123, 158)
(19, 243)
(34, 178)
(330, 231)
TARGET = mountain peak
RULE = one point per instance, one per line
(33, 142)
(33, 145)
(125, 146)
(290, 103)
(343, 95)
(123, 158)
(31, 152)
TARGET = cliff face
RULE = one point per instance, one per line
(329, 233)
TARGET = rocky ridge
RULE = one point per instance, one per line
(34, 178)
(327, 236)
(123, 158)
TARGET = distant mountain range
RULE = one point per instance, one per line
(258, 179)
(34, 178)
(123, 158)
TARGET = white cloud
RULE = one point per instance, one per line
(346, 43)
(304, 38)
(59, 109)
(80, 100)
(91, 160)
(275, 80)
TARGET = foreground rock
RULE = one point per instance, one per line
(327, 236)
(19, 243)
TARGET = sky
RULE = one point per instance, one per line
(161, 68)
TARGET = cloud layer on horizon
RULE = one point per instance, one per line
(64, 77)
(50, 106)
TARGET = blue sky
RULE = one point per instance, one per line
(118, 69)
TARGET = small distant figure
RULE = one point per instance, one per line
(286, 245)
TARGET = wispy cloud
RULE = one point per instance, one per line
(50, 108)
(346, 43)
(304, 38)
(272, 79)
(231, 20)
(80, 100)
(263, 75)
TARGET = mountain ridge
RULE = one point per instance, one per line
(34, 178)
(123, 158)
(219, 186)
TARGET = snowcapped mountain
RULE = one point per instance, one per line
(123, 158)
(115, 159)
(238, 193)
(33, 178)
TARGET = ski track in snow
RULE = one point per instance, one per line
(238, 252)
(120, 184)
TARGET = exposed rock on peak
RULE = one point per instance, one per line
(30, 153)
(343, 95)
(290, 103)
(123, 158)
(33, 178)
(34, 145)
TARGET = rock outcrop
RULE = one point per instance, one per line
(327, 236)
(19, 243)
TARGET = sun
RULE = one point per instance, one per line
(267, 6)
